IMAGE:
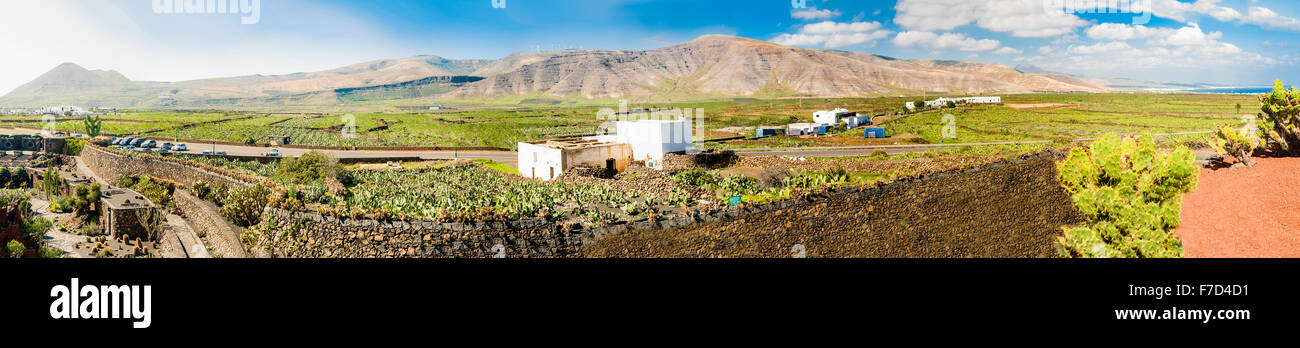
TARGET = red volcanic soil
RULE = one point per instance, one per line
(1244, 213)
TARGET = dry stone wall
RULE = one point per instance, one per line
(111, 166)
(206, 218)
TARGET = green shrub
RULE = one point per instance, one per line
(738, 185)
(15, 249)
(1131, 196)
(35, 227)
(201, 189)
(244, 206)
(697, 177)
(218, 194)
(73, 147)
(312, 167)
(160, 193)
(23, 180)
(50, 253)
(1282, 110)
(818, 179)
(90, 229)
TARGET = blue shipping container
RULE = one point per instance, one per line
(768, 132)
(874, 133)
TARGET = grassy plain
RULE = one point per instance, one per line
(1022, 117)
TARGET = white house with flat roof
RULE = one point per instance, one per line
(652, 139)
(941, 102)
(640, 140)
(831, 117)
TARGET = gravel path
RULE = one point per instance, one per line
(1244, 213)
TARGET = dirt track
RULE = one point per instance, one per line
(1244, 213)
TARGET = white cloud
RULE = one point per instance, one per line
(1166, 52)
(831, 34)
(1121, 32)
(813, 14)
(145, 46)
(1105, 47)
(1008, 50)
(1263, 17)
(945, 41)
(1267, 18)
(1179, 11)
(930, 15)
(1021, 18)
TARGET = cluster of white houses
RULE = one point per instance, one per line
(649, 140)
(637, 140)
(823, 122)
(59, 110)
(941, 102)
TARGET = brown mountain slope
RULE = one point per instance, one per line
(724, 65)
(381, 72)
(69, 78)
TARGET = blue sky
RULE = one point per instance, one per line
(1241, 42)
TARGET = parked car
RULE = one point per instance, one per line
(138, 141)
(180, 148)
(115, 141)
(166, 146)
(149, 144)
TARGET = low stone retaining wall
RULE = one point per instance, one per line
(1013, 208)
(111, 166)
(206, 219)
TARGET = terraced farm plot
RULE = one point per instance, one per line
(1046, 117)
(502, 129)
(1024, 117)
(127, 123)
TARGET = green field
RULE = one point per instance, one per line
(1022, 117)
(1060, 117)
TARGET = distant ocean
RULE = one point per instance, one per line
(1234, 90)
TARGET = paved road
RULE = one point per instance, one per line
(511, 158)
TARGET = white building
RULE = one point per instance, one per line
(652, 139)
(942, 102)
(547, 160)
(641, 140)
(798, 129)
(831, 117)
(856, 121)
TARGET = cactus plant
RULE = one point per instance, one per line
(1282, 110)
(94, 126)
(1131, 195)
(1240, 144)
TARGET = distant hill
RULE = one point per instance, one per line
(709, 67)
(731, 66)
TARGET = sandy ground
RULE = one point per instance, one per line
(1244, 213)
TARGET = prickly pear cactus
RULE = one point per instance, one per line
(1238, 143)
(1282, 110)
(1131, 194)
